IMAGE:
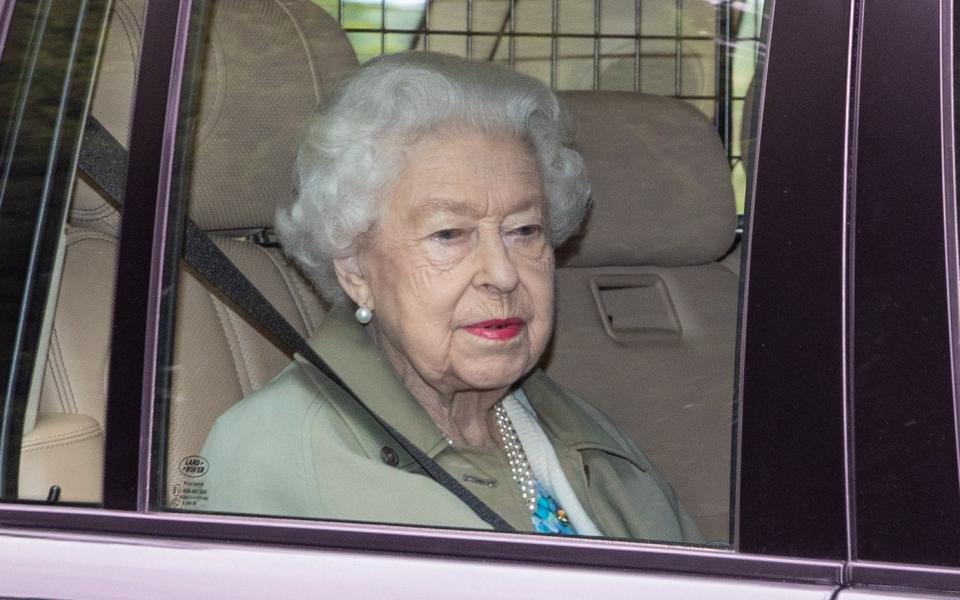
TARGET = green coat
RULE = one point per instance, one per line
(301, 447)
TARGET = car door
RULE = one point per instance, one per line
(796, 503)
(903, 337)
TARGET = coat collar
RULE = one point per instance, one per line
(570, 423)
(345, 347)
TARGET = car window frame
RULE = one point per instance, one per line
(893, 558)
(120, 472)
(797, 554)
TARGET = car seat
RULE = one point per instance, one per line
(646, 316)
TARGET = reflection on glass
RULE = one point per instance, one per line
(63, 411)
(641, 301)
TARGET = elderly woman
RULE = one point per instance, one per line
(433, 191)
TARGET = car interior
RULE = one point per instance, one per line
(647, 294)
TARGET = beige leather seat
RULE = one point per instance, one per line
(268, 62)
(646, 316)
(267, 68)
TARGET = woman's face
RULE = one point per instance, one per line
(458, 270)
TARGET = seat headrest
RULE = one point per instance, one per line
(267, 64)
(661, 186)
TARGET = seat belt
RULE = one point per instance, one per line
(103, 159)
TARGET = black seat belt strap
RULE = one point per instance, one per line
(100, 156)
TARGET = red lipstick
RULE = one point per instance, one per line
(497, 329)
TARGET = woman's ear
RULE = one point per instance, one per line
(353, 281)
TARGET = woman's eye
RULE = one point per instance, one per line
(527, 231)
(447, 235)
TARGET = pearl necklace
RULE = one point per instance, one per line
(519, 466)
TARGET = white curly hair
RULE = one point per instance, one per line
(354, 148)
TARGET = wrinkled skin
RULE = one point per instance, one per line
(461, 239)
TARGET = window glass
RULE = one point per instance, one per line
(646, 47)
(569, 364)
(62, 228)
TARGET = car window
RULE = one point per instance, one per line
(59, 245)
(644, 297)
(659, 48)
(638, 356)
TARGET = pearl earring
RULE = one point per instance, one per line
(364, 315)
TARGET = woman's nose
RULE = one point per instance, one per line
(495, 269)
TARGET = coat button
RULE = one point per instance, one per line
(389, 456)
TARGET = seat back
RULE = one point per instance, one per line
(646, 316)
(266, 66)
